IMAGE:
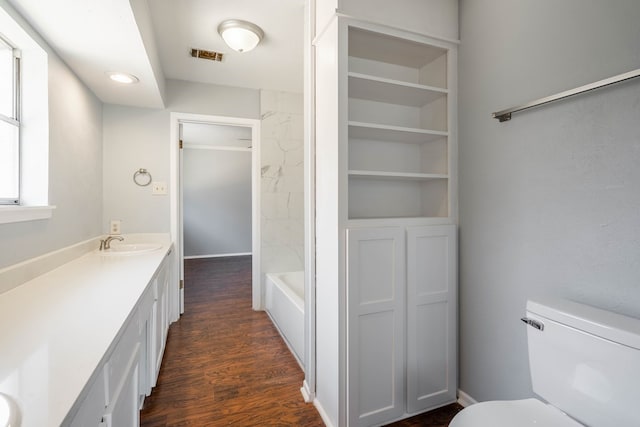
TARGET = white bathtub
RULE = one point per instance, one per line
(285, 306)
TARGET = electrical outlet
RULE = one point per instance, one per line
(159, 188)
(115, 226)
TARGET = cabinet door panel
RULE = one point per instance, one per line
(376, 354)
(118, 364)
(92, 407)
(376, 283)
(431, 317)
(160, 322)
(123, 409)
(431, 350)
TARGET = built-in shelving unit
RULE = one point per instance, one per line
(398, 127)
(386, 184)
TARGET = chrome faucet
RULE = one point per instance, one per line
(106, 243)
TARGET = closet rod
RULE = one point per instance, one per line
(505, 115)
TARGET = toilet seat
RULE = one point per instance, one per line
(512, 413)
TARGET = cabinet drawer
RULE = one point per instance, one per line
(116, 367)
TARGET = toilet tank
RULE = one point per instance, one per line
(585, 361)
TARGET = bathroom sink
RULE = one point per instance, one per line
(131, 248)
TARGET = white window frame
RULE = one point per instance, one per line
(34, 120)
(14, 119)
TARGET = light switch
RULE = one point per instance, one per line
(159, 188)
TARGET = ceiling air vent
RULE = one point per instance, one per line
(207, 54)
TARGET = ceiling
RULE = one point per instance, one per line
(152, 40)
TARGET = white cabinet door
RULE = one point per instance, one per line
(146, 361)
(431, 317)
(123, 409)
(92, 407)
(375, 311)
(160, 320)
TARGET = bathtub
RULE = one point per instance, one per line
(285, 307)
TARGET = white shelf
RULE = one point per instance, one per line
(396, 175)
(398, 103)
(390, 133)
(380, 89)
(391, 50)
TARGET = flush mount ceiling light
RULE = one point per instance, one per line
(240, 35)
(124, 78)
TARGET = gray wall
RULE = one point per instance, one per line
(217, 190)
(137, 138)
(549, 202)
(75, 170)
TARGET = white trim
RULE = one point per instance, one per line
(309, 384)
(17, 274)
(176, 196)
(216, 147)
(216, 255)
(9, 214)
(323, 413)
(34, 130)
(340, 14)
(306, 394)
(465, 400)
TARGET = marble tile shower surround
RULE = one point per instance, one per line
(282, 168)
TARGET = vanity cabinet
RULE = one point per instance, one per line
(112, 399)
(130, 368)
(401, 316)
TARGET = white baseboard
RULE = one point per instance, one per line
(216, 255)
(308, 395)
(464, 399)
(323, 413)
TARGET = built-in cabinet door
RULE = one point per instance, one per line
(91, 411)
(376, 284)
(160, 316)
(123, 409)
(431, 317)
(146, 366)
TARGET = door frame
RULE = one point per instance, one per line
(176, 203)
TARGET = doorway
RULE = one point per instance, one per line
(236, 136)
(216, 190)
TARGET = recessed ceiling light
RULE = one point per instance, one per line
(124, 78)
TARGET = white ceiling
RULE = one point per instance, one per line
(152, 40)
(275, 64)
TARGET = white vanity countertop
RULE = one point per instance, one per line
(57, 328)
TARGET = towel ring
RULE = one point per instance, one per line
(138, 177)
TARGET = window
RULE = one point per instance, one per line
(24, 122)
(9, 124)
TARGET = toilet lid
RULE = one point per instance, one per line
(512, 413)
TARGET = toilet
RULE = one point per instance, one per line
(585, 367)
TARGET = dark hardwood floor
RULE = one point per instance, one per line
(226, 364)
(440, 417)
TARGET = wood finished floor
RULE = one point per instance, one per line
(225, 364)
